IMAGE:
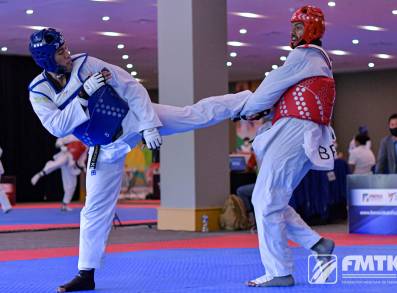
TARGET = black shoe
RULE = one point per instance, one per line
(323, 248)
(83, 281)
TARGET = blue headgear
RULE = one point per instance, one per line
(43, 45)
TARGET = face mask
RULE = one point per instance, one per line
(393, 131)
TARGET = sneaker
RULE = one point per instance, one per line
(268, 281)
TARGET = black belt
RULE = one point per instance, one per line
(97, 148)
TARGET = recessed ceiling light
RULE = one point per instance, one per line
(331, 4)
(283, 58)
(4, 49)
(125, 57)
(120, 46)
(372, 28)
(384, 56)
(243, 31)
(266, 73)
(29, 11)
(249, 14)
(134, 73)
(228, 63)
(111, 34)
(285, 48)
(35, 27)
(129, 65)
(105, 18)
(274, 66)
(233, 54)
(339, 52)
(236, 44)
(394, 12)
(370, 65)
(355, 41)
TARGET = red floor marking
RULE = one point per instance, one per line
(78, 205)
(228, 241)
(33, 227)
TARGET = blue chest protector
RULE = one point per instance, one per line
(107, 110)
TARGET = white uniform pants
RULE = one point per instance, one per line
(283, 166)
(4, 201)
(64, 161)
(103, 188)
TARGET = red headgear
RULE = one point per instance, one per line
(313, 20)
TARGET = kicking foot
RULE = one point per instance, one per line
(35, 178)
(323, 248)
(83, 281)
(65, 208)
(268, 281)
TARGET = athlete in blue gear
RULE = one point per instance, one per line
(62, 97)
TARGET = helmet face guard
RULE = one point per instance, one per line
(43, 45)
(313, 21)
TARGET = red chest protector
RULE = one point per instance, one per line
(76, 148)
(310, 99)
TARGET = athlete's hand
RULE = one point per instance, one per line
(93, 83)
(152, 138)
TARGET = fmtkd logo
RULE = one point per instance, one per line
(324, 271)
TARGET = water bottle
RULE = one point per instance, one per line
(204, 220)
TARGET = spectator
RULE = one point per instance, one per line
(387, 156)
(361, 159)
(363, 130)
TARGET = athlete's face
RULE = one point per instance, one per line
(297, 31)
(62, 58)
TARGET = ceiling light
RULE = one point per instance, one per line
(266, 73)
(129, 65)
(394, 12)
(355, 41)
(285, 48)
(331, 4)
(111, 34)
(120, 46)
(125, 57)
(228, 63)
(274, 66)
(384, 56)
(283, 58)
(29, 11)
(371, 64)
(105, 18)
(371, 28)
(236, 44)
(233, 54)
(339, 52)
(134, 73)
(4, 49)
(243, 31)
(249, 14)
(35, 27)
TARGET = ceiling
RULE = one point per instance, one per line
(81, 20)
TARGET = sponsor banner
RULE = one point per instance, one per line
(373, 197)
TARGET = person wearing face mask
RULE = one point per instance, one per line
(302, 94)
(387, 155)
